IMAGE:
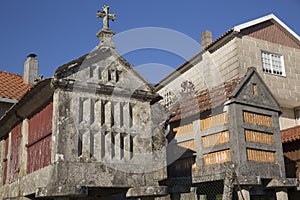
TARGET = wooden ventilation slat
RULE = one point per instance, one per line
(215, 139)
(214, 121)
(261, 156)
(257, 119)
(217, 157)
(184, 130)
(259, 137)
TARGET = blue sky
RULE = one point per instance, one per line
(59, 31)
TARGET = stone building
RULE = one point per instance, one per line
(85, 133)
(202, 132)
(96, 129)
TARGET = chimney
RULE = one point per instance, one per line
(31, 67)
(206, 38)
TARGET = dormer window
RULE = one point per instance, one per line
(273, 63)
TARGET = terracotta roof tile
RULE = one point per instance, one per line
(12, 86)
(290, 134)
(205, 100)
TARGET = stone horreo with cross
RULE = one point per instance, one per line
(101, 141)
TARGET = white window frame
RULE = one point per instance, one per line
(168, 99)
(272, 70)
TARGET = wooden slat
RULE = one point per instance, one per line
(257, 119)
(183, 130)
(5, 161)
(260, 137)
(39, 139)
(15, 153)
(184, 164)
(190, 144)
(214, 121)
(261, 156)
(217, 157)
(215, 139)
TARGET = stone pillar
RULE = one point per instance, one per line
(202, 197)
(23, 150)
(244, 193)
(281, 194)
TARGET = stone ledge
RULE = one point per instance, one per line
(283, 183)
(147, 191)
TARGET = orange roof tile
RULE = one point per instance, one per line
(12, 86)
(290, 134)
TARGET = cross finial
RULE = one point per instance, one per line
(106, 17)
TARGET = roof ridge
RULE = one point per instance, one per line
(11, 73)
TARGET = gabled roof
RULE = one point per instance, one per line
(101, 54)
(264, 97)
(223, 39)
(290, 134)
(12, 86)
(271, 17)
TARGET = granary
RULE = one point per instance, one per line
(216, 130)
(85, 133)
(96, 129)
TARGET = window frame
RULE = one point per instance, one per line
(282, 64)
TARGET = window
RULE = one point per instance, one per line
(273, 63)
(168, 99)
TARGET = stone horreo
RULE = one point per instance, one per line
(223, 125)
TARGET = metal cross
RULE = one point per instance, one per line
(106, 16)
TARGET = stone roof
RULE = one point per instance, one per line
(12, 86)
(206, 100)
(290, 134)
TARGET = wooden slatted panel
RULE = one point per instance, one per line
(217, 157)
(183, 167)
(15, 151)
(5, 161)
(183, 130)
(39, 139)
(190, 144)
(261, 156)
(260, 137)
(181, 147)
(214, 121)
(258, 119)
(215, 139)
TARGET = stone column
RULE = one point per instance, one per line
(23, 151)
(281, 194)
(244, 193)
(202, 197)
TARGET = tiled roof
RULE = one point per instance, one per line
(290, 134)
(205, 100)
(12, 86)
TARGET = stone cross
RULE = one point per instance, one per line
(106, 17)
